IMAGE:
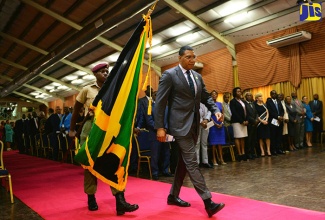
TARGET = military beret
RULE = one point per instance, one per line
(99, 66)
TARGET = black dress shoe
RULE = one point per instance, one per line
(92, 204)
(206, 165)
(172, 200)
(155, 177)
(168, 175)
(213, 208)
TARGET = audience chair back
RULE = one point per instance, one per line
(50, 147)
(4, 173)
(230, 141)
(143, 148)
(38, 145)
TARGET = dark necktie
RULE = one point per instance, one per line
(190, 82)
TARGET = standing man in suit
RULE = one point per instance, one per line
(251, 138)
(20, 131)
(316, 107)
(184, 89)
(276, 113)
(300, 123)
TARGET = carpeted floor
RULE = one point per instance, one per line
(55, 191)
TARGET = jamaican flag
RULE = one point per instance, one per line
(107, 149)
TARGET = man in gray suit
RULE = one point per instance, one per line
(300, 124)
(184, 89)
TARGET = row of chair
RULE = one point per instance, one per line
(144, 151)
(41, 145)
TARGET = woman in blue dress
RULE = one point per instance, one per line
(217, 135)
(9, 135)
(308, 121)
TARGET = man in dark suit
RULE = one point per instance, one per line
(276, 113)
(52, 127)
(251, 139)
(316, 107)
(157, 149)
(21, 130)
(184, 89)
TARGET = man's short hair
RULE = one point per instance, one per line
(183, 48)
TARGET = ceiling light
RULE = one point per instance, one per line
(178, 30)
(62, 87)
(89, 77)
(34, 93)
(232, 7)
(158, 49)
(48, 87)
(188, 37)
(71, 77)
(77, 81)
(55, 84)
(80, 73)
(113, 58)
(237, 18)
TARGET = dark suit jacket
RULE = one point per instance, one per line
(52, 124)
(316, 109)
(34, 129)
(292, 114)
(237, 112)
(251, 113)
(142, 102)
(273, 112)
(148, 121)
(183, 108)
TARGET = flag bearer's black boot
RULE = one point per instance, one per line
(122, 206)
(92, 204)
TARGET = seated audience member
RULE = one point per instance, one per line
(157, 148)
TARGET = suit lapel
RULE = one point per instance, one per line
(181, 76)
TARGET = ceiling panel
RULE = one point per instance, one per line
(41, 23)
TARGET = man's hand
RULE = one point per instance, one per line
(72, 134)
(136, 131)
(204, 123)
(161, 135)
(218, 116)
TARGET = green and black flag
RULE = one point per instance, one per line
(107, 149)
